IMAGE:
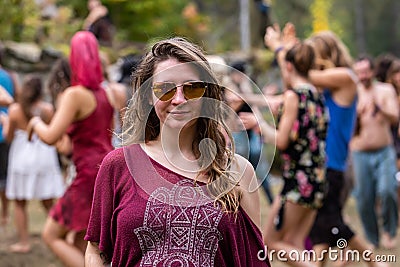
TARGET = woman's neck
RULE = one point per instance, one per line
(298, 81)
(175, 152)
(177, 142)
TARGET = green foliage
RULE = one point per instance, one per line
(214, 24)
(297, 12)
(18, 20)
(380, 21)
(144, 20)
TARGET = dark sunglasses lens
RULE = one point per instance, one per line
(194, 89)
(164, 91)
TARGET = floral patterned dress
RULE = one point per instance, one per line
(303, 161)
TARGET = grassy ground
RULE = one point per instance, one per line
(40, 256)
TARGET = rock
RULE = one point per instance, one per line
(28, 52)
(28, 57)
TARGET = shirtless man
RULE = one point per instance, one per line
(373, 155)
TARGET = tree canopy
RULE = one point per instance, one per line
(364, 25)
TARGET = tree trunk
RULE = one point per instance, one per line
(360, 30)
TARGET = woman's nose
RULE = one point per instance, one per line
(179, 97)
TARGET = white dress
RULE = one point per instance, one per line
(33, 169)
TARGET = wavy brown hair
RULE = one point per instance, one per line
(394, 68)
(32, 91)
(59, 78)
(302, 56)
(141, 123)
(330, 51)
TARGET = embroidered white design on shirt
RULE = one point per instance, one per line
(180, 228)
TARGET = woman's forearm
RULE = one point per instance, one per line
(36, 125)
(5, 98)
(268, 132)
(94, 257)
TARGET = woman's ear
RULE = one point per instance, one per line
(288, 66)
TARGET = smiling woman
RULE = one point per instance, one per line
(175, 194)
(177, 106)
(191, 90)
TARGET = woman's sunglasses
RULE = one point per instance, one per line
(165, 91)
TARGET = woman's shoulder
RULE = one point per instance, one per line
(77, 89)
(291, 95)
(113, 166)
(242, 170)
(75, 93)
(116, 94)
(15, 107)
(78, 97)
(248, 186)
(115, 157)
(15, 111)
(46, 110)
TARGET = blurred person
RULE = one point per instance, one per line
(334, 77)
(99, 22)
(382, 65)
(300, 138)
(85, 113)
(337, 80)
(248, 141)
(165, 186)
(239, 78)
(7, 97)
(48, 9)
(393, 77)
(59, 80)
(247, 138)
(374, 157)
(33, 169)
(118, 93)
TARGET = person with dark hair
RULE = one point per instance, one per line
(248, 142)
(85, 113)
(373, 155)
(382, 65)
(127, 66)
(99, 22)
(175, 194)
(300, 137)
(33, 170)
(393, 77)
(59, 79)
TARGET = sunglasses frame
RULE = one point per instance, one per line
(165, 96)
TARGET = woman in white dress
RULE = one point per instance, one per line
(33, 170)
